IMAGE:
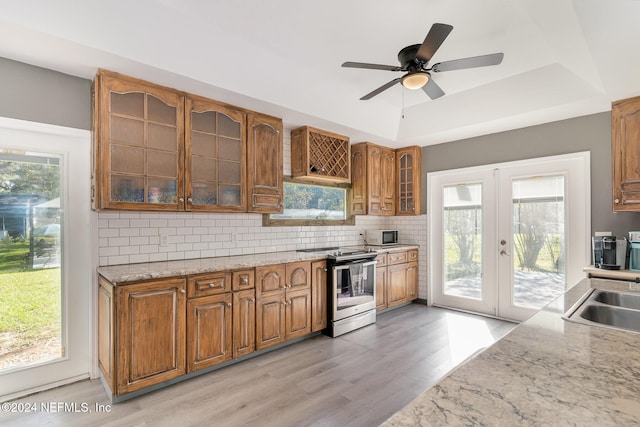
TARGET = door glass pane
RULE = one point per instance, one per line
(462, 220)
(30, 258)
(538, 240)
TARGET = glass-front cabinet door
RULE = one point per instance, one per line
(141, 146)
(215, 156)
(408, 163)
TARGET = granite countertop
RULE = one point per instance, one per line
(547, 371)
(126, 273)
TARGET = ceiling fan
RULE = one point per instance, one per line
(414, 60)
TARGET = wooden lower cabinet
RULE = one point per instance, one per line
(412, 281)
(220, 326)
(270, 320)
(244, 322)
(318, 296)
(381, 282)
(157, 330)
(149, 333)
(283, 303)
(209, 331)
(298, 313)
(397, 283)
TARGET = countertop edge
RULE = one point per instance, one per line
(128, 273)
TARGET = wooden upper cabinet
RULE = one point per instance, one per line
(319, 155)
(408, 181)
(359, 179)
(139, 152)
(214, 156)
(387, 172)
(373, 192)
(264, 159)
(159, 149)
(625, 153)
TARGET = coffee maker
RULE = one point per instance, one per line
(634, 252)
(610, 252)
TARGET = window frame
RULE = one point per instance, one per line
(350, 219)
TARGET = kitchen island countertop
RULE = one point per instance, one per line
(547, 371)
(127, 273)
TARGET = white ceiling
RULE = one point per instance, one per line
(562, 58)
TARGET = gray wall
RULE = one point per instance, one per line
(41, 95)
(588, 133)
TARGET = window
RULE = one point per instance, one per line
(308, 204)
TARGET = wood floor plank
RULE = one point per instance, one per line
(358, 379)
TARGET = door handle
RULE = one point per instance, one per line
(504, 253)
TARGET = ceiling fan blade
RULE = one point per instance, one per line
(432, 89)
(381, 89)
(437, 34)
(473, 62)
(371, 66)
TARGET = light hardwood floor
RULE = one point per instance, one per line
(358, 379)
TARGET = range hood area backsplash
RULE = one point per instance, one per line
(134, 237)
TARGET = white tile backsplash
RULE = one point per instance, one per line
(127, 238)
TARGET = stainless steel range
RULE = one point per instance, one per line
(352, 290)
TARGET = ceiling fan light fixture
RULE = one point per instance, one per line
(415, 80)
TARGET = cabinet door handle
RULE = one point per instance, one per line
(182, 291)
(181, 199)
(190, 200)
(284, 303)
(253, 300)
(228, 304)
(617, 201)
(244, 280)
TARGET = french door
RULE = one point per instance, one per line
(506, 239)
(45, 273)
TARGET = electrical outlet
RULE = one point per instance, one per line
(164, 240)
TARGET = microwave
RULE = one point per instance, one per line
(382, 237)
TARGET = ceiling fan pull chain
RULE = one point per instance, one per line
(402, 90)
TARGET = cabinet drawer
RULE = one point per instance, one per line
(396, 258)
(243, 279)
(208, 284)
(381, 260)
(412, 255)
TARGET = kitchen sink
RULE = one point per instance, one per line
(619, 299)
(612, 316)
(609, 309)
